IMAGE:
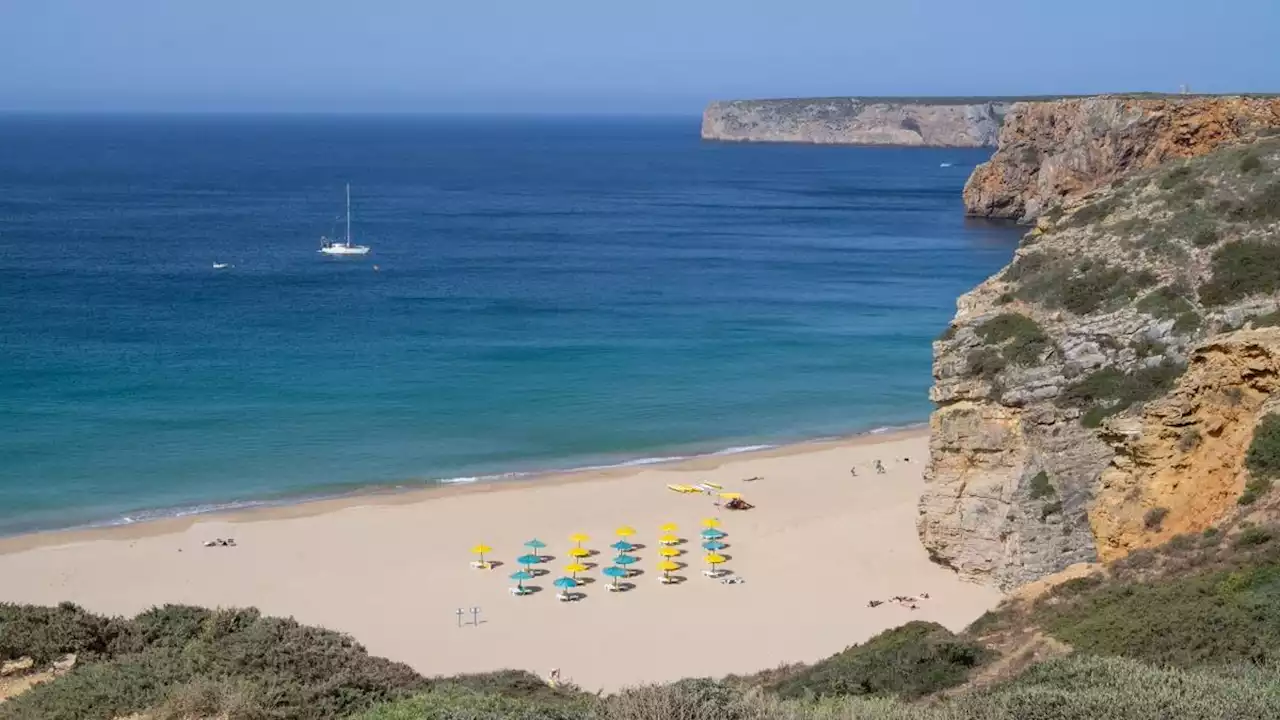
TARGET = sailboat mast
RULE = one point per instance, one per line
(348, 214)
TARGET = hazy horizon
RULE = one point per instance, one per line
(574, 57)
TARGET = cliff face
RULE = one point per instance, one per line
(1099, 394)
(851, 121)
(1056, 151)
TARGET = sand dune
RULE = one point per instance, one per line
(392, 570)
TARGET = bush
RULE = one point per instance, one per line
(1094, 212)
(47, 633)
(1189, 440)
(1263, 457)
(1109, 391)
(1165, 302)
(1250, 163)
(1204, 237)
(1240, 269)
(1040, 487)
(180, 656)
(910, 661)
(1154, 518)
(1027, 343)
(1050, 509)
(451, 702)
(1253, 536)
(1175, 177)
(985, 363)
(1271, 319)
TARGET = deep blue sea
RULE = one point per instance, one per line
(542, 293)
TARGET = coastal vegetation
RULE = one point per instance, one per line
(1183, 630)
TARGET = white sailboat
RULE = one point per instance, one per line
(343, 247)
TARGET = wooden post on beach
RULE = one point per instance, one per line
(475, 616)
(459, 617)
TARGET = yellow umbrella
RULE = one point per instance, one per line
(669, 552)
(575, 568)
(667, 567)
(481, 550)
(715, 559)
(731, 496)
(711, 522)
(578, 538)
(625, 531)
(669, 528)
(579, 552)
(668, 539)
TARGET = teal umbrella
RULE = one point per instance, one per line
(625, 560)
(712, 534)
(623, 546)
(614, 572)
(527, 560)
(520, 576)
(713, 545)
(535, 544)
(566, 583)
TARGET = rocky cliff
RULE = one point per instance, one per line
(1057, 151)
(852, 121)
(1098, 395)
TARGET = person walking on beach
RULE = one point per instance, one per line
(879, 467)
(853, 472)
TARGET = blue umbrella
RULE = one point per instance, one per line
(712, 534)
(565, 582)
(623, 546)
(520, 576)
(625, 560)
(535, 544)
(528, 560)
(615, 572)
(713, 545)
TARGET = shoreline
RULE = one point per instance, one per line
(178, 519)
(392, 570)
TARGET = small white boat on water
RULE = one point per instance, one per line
(945, 165)
(221, 266)
(343, 247)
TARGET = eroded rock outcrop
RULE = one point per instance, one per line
(1056, 151)
(854, 121)
(1098, 395)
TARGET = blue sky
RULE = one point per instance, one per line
(656, 56)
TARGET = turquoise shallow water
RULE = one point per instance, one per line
(549, 294)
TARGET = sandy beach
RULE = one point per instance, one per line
(393, 569)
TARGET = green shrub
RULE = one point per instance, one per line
(1263, 457)
(1154, 518)
(452, 702)
(1182, 620)
(1050, 509)
(1175, 177)
(1026, 342)
(1165, 302)
(910, 661)
(1250, 163)
(1040, 486)
(1204, 237)
(1253, 536)
(171, 655)
(1189, 440)
(1242, 268)
(1094, 212)
(1271, 319)
(985, 362)
(1109, 391)
(47, 633)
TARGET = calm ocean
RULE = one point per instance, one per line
(541, 294)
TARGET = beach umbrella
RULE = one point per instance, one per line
(579, 552)
(715, 559)
(615, 572)
(623, 546)
(625, 560)
(713, 545)
(670, 552)
(481, 550)
(712, 534)
(527, 560)
(535, 544)
(667, 567)
(669, 539)
(711, 522)
(565, 583)
(520, 576)
(578, 538)
(669, 528)
(625, 531)
(574, 569)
